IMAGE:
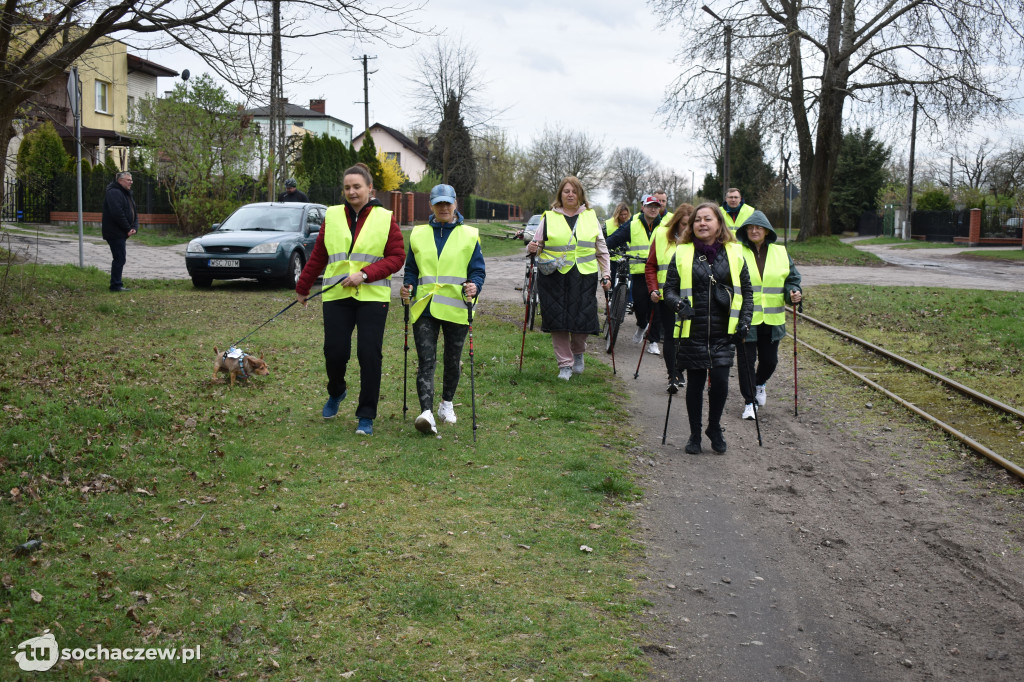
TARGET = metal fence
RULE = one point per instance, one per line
(25, 203)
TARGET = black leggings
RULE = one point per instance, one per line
(342, 317)
(695, 381)
(764, 353)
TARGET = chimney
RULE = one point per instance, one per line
(318, 105)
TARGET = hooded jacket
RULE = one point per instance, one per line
(758, 257)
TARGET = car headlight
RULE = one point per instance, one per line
(195, 246)
(265, 247)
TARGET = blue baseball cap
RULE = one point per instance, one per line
(442, 193)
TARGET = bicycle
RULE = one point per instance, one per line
(620, 294)
(531, 299)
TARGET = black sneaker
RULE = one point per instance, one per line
(717, 439)
(120, 289)
(693, 445)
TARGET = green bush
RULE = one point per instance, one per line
(934, 200)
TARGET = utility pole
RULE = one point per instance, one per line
(728, 97)
(366, 91)
(278, 163)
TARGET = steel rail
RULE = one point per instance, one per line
(966, 390)
(959, 435)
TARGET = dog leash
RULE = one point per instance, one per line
(238, 343)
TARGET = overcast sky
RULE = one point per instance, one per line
(601, 67)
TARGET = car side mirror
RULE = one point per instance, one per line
(215, 226)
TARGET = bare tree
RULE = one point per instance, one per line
(230, 35)
(448, 69)
(797, 65)
(973, 166)
(1006, 172)
(558, 152)
(629, 171)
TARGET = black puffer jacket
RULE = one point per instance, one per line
(709, 344)
(119, 214)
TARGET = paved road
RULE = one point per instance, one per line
(903, 267)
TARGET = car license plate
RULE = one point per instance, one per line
(222, 263)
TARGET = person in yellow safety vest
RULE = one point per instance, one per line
(734, 210)
(708, 285)
(638, 238)
(444, 270)
(668, 235)
(572, 257)
(776, 282)
(662, 197)
(620, 216)
(358, 248)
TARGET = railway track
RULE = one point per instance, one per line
(982, 423)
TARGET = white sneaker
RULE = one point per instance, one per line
(565, 373)
(653, 349)
(760, 396)
(577, 363)
(748, 411)
(446, 412)
(425, 422)
(638, 335)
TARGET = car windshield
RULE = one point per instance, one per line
(259, 218)
(534, 220)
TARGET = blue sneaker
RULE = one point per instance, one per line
(331, 406)
(365, 427)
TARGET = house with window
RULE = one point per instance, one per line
(299, 120)
(411, 156)
(112, 83)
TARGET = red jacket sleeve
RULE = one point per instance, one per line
(651, 269)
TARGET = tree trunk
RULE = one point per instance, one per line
(6, 135)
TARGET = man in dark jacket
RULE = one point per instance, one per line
(120, 221)
(291, 192)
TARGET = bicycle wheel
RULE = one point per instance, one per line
(616, 314)
(534, 303)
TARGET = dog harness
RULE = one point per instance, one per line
(237, 354)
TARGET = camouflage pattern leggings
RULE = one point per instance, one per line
(425, 331)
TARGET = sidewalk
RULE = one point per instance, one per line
(47, 246)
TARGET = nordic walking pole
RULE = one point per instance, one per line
(796, 410)
(647, 334)
(472, 381)
(750, 378)
(405, 364)
(526, 314)
(671, 391)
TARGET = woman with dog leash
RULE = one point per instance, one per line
(572, 252)
(708, 285)
(358, 249)
(444, 268)
(776, 282)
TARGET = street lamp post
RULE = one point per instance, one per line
(693, 188)
(728, 97)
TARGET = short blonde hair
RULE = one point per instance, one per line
(575, 182)
(724, 233)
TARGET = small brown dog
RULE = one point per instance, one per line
(238, 364)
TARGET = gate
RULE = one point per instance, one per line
(25, 204)
(869, 224)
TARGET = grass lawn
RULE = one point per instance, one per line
(828, 251)
(147, 236)
(975, 337)
(988, 254)
(175, 511)
(908, 244)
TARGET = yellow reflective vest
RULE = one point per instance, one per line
(684, 264)
(639, 244)
(579, 249)
(345, 258)
(769, 290)
(663, 250)
(746, 210)
(442, 275)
